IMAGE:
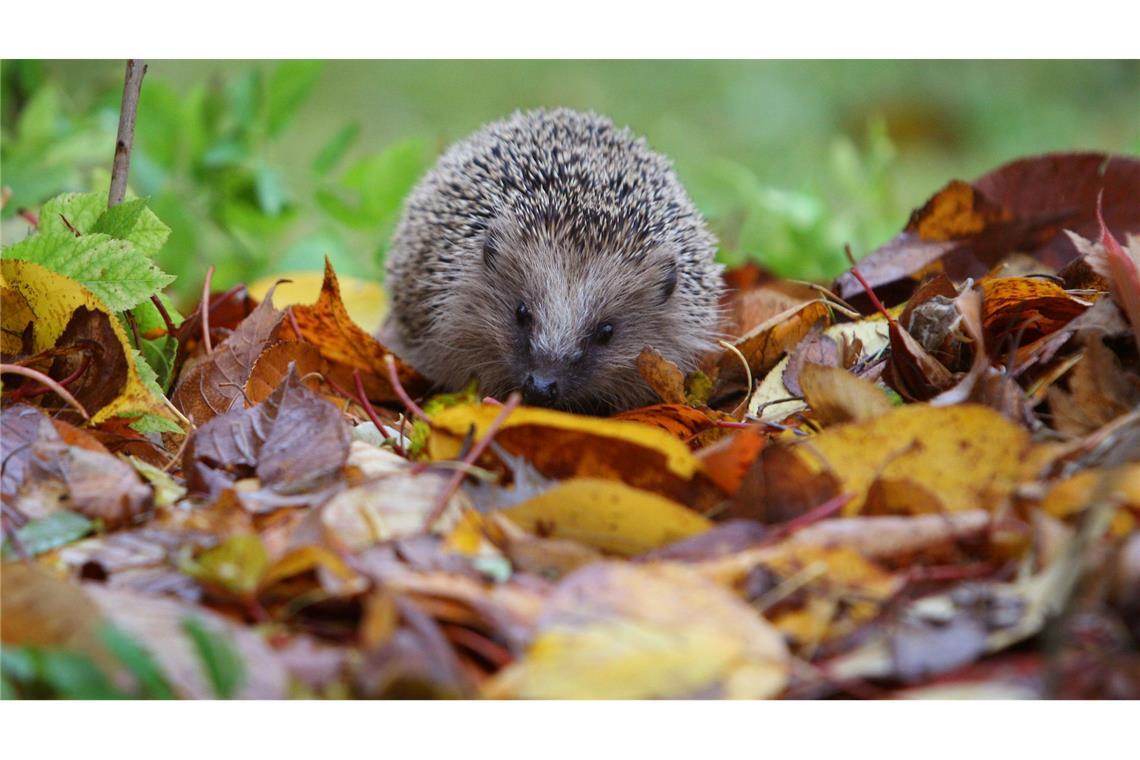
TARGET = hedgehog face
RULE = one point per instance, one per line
(571, 324)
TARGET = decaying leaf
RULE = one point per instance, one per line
(327, 325)
(49, 302)
(965, 455)
(294, 442)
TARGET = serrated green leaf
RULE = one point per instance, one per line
(133, 221)
(80, 209)
(50, 532)
(224, 667)
(114, 270)
(138, 661)
(289, 85)
(333, 151)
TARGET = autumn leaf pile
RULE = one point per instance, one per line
(920, 480)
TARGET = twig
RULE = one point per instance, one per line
(43, 379)
(204, 309)
(162, 312)
(472, 457)
(867, 286)
(362, 397)
(29, 217)
(394, 381)
(132, 84)
(71, 227)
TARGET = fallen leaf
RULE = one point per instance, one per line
(836, 396)
(214, 385)
(294, 442)
(763, 346)
(662, 375)
(620, 631)
(967, 455)
(562, 445)
(328, 326)
(365, 301)
(607, 515)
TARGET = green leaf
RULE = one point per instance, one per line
(166, 489)
(46, 533)
(114, 270)
(223, 664)
(236, 565)
(333, 151)
(271, 195)
(38, 118)
(161, 352)
(72, 676)
(135, 222)
(289, 85)
(138, 661)
(81, 210)
(153, 423)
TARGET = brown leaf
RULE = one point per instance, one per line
(294, 442)
(763, 346)
(779, 487)
(677, 419)
(1099, 391)
(835, 395)
(328, 326)
(272, 366)
(727, 461)
(105, 487)
(42, 473)
(815, 348)
(1025, 309)
(89, 332)
(662, 375)
(1024, 205)
(214, 385)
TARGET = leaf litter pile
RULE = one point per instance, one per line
(920, 480)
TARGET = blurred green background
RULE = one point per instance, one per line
(262, 167)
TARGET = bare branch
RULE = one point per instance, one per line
(132, 84)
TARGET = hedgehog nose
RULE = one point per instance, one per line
(539, 390)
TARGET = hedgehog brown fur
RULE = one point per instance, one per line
(543, 253)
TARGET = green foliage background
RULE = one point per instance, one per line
(268, 166)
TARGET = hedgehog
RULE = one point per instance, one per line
(542, 254)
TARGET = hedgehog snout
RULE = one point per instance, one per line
(540, 389)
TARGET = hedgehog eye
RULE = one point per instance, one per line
(603, 333)
(523, 316)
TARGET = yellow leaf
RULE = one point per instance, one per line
(365, 300)
(608, 515)
(236, 565)
(968, 456)
(621, 631)
(1071, 496)
(302, 560)
(562, 445)
(843, 591)
(33, 294)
